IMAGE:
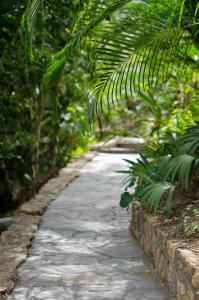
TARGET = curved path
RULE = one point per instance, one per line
(83, 249)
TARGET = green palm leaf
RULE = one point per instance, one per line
(95, 13)
(28, 24)
(141, 169)
(153, 194)
(182, 167)
(138, 53)
(133, 46)
(189, 143)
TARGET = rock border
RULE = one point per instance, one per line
(16, 240)
(176, 266)
(120, 144)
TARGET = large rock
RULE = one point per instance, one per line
(5, 223)
(120, 145)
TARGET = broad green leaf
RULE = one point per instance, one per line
(126, 199)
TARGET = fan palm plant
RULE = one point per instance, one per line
(157, 177)
(146, 178)
(189, 142)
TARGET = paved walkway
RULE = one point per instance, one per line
(83, 250)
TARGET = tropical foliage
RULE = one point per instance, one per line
(165, 168)
(38, 135)
(132, 46)
(141, 53)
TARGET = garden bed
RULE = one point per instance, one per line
(176, 263)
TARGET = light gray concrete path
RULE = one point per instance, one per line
(83, 249)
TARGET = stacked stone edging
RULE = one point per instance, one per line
(176, 266)
(15, 241)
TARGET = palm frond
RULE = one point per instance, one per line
(133, 46)
(141, 169)
(165, 146)
(196, 11)
(152, 102)
(28, 24)
(153, 194)
(86, 22)
(146, 47)
(161, 168)
(182, 168)
(189, 142)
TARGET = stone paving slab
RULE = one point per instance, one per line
(16, 240)
(83, 249)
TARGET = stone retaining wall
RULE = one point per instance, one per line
(15, 241)
(177, 267)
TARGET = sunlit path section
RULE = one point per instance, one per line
(83, 249)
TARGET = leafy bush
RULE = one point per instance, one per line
(35, 136)
(126, 50)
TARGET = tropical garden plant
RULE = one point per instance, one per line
(136, 50)
(37, 135)
(167, 167)
(141, 53)
(132, 46)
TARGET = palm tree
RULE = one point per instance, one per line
(132, 46)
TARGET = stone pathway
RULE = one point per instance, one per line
(83, 249)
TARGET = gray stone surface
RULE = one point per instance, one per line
(118, 150)
(5, 223)
(130, 142)
(119, 145)
(83, 249)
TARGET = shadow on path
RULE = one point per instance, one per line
(83, 249)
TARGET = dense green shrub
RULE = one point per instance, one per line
(132, 52)
(38, 134)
